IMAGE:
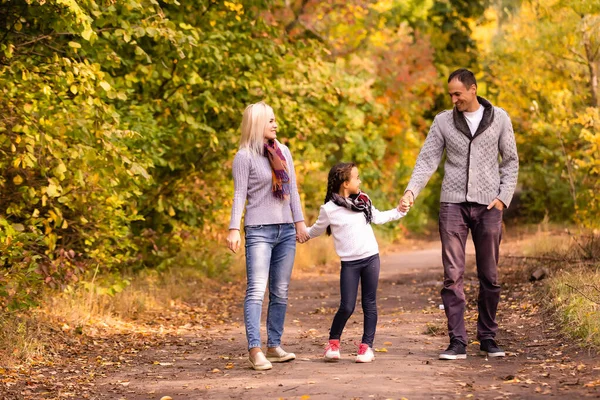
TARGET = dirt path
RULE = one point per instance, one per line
(411, 333)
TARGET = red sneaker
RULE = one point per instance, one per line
(365, 354)
(332, 351)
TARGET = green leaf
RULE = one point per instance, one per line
(52, 190)
(87, 33)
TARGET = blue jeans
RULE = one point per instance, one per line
(366, 271)
(270, 252)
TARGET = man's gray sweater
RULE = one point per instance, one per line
(479, 168)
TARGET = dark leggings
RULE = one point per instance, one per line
(367, 271)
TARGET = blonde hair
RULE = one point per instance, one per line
(256, 116)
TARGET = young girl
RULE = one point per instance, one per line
(348, 214)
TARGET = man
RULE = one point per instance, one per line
(475, 189)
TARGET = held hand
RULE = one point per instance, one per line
(233, 240)
(496, 204)
(301, 232)
(406, 202)
(302, 238)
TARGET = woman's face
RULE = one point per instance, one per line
(271, 127)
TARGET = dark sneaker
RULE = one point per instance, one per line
(488, 347)
(456, 351)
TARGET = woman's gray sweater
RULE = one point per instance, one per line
(252, 179)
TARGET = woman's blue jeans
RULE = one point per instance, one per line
(270, 252)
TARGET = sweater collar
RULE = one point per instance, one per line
(461, 123)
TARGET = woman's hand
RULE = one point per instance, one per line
(233, 240)
(302, 235)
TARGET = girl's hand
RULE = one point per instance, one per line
(406, 202)
(233, 240)
(301, 232)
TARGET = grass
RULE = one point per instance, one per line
(88, 309)
(575, 300)
(572, 293)
(23, 338)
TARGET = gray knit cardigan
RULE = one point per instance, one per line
(479, 168)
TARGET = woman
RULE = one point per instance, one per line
(264, 177)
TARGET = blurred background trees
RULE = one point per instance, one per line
(119, 119)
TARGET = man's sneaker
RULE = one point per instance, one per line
(332, 351)
(279, 355)
(259, 362)
(456, 351)
(365, 354)
(488, 347)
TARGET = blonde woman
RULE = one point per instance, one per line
(265, 183)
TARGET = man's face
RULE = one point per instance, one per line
(462, 97)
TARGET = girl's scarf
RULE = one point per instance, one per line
(356, 202)
(281, 178)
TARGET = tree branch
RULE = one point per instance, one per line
(292, 25)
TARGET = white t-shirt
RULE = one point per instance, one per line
(474, 118)
(352, 236)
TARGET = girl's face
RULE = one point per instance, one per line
(352, 184)
(270, 132)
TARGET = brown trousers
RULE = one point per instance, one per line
(486, 229)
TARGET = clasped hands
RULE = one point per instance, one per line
(406, 202)
(302, 235)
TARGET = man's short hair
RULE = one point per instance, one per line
(465, 76)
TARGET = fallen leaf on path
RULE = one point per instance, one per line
(387, 343)
(214, 371)
(382, 350)
(592, 384)
(166, 398)
(229, 365)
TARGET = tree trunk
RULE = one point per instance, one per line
(592, 53)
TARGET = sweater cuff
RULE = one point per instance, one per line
(504, 199)
(414, 191)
